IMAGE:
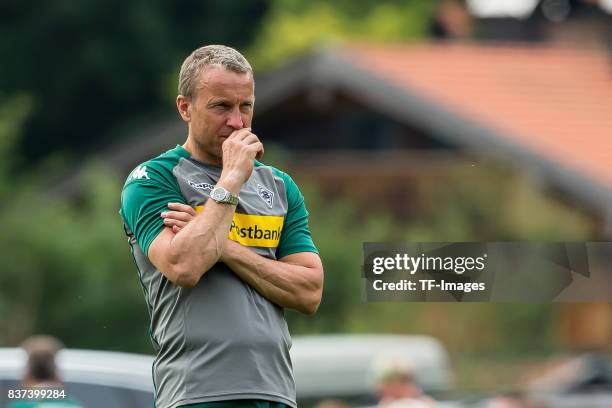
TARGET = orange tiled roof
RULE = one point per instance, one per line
(555, 101)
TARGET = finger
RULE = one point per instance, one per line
(171, 223)
(239, 134)
(257, 148)
(182, 207)
(250, 139)
(260, 153)
(175, 229)
(177, 215)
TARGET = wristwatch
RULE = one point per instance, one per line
(222, 196)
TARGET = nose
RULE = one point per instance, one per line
(235, 119)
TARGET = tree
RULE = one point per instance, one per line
(65, 269)
(292, 27)
(89, 66)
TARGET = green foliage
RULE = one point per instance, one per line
(292, 27)
(65, 269)
(93, 65)
(13, 113)
(485, 202)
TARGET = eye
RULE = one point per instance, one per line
(246, 107)
(220, 106)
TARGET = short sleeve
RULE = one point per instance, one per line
(296, 235)
(144, 197)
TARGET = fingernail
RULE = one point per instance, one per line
(163, 214)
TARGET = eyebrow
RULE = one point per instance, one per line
(223, 101)
(218, 102)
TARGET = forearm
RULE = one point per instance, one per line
(286, 284)
(198, 246)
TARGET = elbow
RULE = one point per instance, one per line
(179, 272)
(186, 279)
(187, 274)
(310, 305)
(311, 300)
(182, 275)
(310, 308)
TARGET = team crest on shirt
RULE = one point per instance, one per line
(266, 195)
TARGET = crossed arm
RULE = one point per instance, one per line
(294, 281)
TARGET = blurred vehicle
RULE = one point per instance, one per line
(341, 366)
(334, 366)
(98, 379)
(584, 381)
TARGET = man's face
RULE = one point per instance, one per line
(398, 388)
(222, 103)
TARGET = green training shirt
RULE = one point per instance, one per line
(220, 340)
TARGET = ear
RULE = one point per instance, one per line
(183, 104)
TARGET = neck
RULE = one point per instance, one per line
(200, 154)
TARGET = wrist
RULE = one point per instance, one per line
(228, 252)
(231, 183)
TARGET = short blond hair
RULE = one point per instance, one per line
(220, 56)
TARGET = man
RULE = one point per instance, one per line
(508, 400)
(42, 386)
(216, 301)
(396, 386)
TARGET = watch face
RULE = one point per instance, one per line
(218, 194)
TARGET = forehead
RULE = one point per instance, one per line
(219, 82)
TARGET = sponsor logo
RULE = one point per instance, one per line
(255, 230)
(266, 195)
(139, 173)
(270, 233)
(201, 186)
